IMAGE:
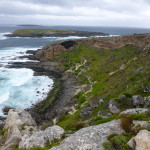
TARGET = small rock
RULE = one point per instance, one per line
(138, 101)
(141, 141)
(101, 101)
(113, 107)
(86, 112)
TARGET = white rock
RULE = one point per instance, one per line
(90, 137)
(141, 141)
(41, 138)
(135, 111)
(18, 123)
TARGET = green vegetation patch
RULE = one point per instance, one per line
(2, 132)
(38, 31)
(118, 142)
(108, 73)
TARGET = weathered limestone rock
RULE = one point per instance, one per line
(141, 141)
(113, 107)
(135, 111)
(18, 123)
(41, 138)
(90, 137)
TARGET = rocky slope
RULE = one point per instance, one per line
(101, 85)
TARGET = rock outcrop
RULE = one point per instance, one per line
(90, 137)
(17, 124)
(22, 130)
(141, 141)
(41, 138)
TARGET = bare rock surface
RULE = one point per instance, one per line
(141, 141)
(90, 137)
(41, 138)
(135, 111)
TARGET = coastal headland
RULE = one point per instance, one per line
(100, 99)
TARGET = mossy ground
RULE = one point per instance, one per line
(113, 73)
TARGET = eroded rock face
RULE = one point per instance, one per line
(90, 137)
(141, 141)
(41, 138)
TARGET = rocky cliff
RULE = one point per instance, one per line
(100, 100)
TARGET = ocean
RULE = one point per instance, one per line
(19, 88)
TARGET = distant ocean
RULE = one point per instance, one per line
(18, 87)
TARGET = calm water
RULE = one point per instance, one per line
(18, 87)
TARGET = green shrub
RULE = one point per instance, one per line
(2, 132)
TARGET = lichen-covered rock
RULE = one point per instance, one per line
(113, 107)
(139, 101)
(90, 137)
(41, 138)
(135, 111)
(141, 141)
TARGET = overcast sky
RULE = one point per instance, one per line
(131, 13)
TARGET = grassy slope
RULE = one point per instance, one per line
(131, 67)
(37, 31)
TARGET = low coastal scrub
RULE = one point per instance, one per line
(108, 74)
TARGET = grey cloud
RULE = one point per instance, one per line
(77, 11)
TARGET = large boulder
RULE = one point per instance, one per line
(141, 141)
(90, 137)
(41, 138)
